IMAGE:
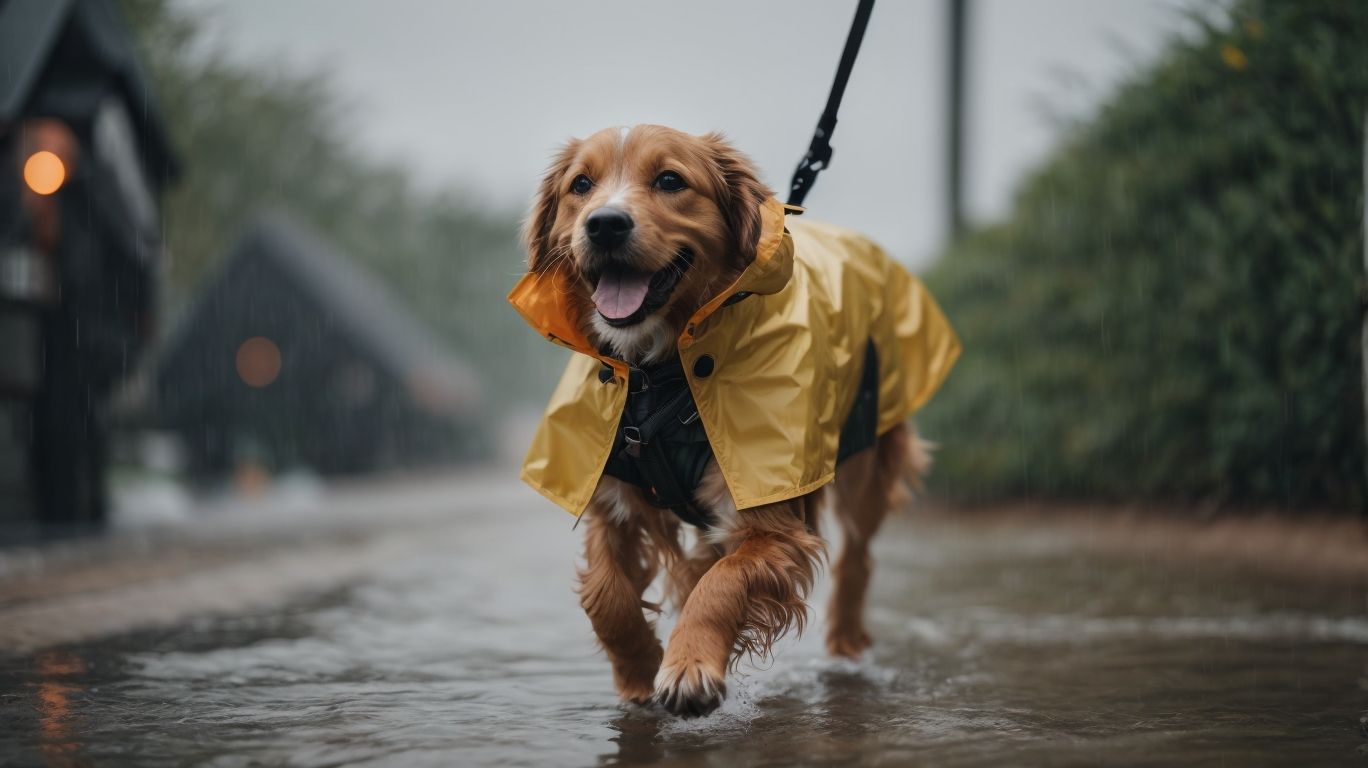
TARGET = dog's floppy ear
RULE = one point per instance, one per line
(537, 229)
(742, 193)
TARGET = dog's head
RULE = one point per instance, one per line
(649, 223)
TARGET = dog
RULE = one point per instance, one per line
(734, 365)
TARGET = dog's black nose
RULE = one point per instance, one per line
(608, 227)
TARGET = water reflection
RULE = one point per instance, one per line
(637, 739)
(989, 653)
(58, 684)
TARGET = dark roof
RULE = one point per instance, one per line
(30, 33)
(396, 342)
(392, 335)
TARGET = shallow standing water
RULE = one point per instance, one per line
(993, 647)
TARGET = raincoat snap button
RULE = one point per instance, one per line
(703, 366)
(605, 374)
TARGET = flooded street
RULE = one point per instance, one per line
(451, 636)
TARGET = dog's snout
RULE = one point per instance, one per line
(608, 227)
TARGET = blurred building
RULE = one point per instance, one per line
(83, 160)
(292, 358)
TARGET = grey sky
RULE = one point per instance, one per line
(477, 95)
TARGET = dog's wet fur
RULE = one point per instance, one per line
(744, 583)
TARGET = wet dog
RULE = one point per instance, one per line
(731, 359)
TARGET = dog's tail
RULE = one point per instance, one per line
(919, 460)
(906, 460)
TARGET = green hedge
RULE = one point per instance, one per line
(1172, 309)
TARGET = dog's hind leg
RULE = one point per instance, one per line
(619, 564)
(746, 601)
(868, 484)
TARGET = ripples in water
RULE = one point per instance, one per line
(986, 655)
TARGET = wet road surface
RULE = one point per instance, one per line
(451, 636)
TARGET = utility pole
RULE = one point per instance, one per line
(1363, 291)
(957, 12)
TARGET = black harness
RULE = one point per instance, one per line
(660, 445)
(662, 448)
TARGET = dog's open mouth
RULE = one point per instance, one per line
(625, 297)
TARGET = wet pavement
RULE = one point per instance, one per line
(437, 626)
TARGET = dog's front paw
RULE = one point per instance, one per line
(689, 690)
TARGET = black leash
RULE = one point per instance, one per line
(818, 156)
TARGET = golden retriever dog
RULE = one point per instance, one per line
(636, 230)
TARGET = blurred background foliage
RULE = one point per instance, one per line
(1172, 309)
(256, 139)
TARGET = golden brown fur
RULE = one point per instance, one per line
(716, 217)
(744, 584)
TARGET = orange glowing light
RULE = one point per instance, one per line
(44, 172)
(258, 361)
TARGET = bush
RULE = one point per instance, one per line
(1172, 311)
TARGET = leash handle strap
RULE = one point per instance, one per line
(818, 156)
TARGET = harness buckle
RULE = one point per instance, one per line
(691, 418)
(634, 442)
(637, 381)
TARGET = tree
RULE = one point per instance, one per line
(251, 140)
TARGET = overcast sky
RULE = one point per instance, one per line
(477, 95)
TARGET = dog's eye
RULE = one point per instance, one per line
(669, 181)
(581, 185)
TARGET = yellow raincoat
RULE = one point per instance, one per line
(785, 364)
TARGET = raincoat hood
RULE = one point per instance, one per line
(783, 368)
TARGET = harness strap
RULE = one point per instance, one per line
(818, 156)
(660, 448)
(654, 464)
(644, 433)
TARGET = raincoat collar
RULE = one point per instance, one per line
(542, 298)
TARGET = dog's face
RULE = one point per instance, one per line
(649, 223)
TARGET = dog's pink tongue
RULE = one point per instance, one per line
(619, 294)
